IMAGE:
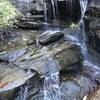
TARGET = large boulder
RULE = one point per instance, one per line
(15, 83)
(49, 37)
(62, 56)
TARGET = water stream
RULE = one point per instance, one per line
(51, 89)
(51, 84)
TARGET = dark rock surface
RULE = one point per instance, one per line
(15, 81)
(23, 6)
(66, 12)
(92, 19)
(50, 36)
(75, 87)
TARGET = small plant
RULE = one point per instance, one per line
(8, 13)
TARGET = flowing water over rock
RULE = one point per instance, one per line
(51, 89)
(51, 53)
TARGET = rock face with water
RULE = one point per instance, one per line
(60, 14)
(67, 55)
(15, 83)
(56, 57)
(92, 20)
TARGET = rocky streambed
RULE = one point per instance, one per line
(32, 60)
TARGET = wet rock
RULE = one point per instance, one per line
(34, 25)
(15, 39)
(65, 11)
(50, 36)
(93, 34)
(37, 7)
(17, 82)
(76, 87)
(92, 70)
(95, 95)
(23, 6)
(92, 19)
(91, 65)
(32, 18)
(93, 9)
(62, 56)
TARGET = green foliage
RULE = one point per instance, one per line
(8, 13)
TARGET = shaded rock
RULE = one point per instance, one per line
(65, 11)
(15, 39)
(16, 82)
(32, 18)
(92, 26)
(50, 36)
(76, 87)
(91, 66)
(93, 9)
(23, 6)
(92, 33)
(63, 54)
(95, 95)
(30, 24)
(37, 7)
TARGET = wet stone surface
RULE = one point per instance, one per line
(49, 36)
(15, 83)
(76, 86)
(37, 65)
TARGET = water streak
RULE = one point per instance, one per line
(51, 88)
(53, 7)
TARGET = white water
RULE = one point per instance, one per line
(51, 88)
(53, 7)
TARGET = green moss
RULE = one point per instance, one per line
(8, 13)
(74, 25)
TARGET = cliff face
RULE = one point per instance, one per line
(92, 22)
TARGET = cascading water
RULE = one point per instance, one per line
(80, 39)
(53, 7)
(50, 89)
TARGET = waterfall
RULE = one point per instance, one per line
(51, 88)
(80, 39)
(53, 8)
